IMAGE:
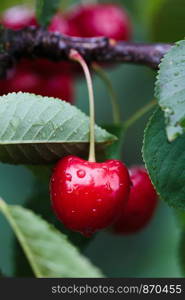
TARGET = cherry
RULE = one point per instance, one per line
(140, 206)
(3, 87)
(61, 25)
(58, 86)
(25, 79)
(92, 20)
(18, 17)
(88, 196)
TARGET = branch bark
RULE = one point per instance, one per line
(38, 42)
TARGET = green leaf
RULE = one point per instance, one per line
(170, 90)
(45, 10)
(165, 161)
(49, 252)
(40, 130)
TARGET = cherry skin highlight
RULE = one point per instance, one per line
(141, 204)
(18, 17)
(93, 20)
(88, 196)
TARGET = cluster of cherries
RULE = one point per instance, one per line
(86, 196)
(57, 79)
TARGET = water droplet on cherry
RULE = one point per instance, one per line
(81, 173)
(68, 176)
(70, 190)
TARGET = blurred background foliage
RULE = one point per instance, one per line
(154, 251)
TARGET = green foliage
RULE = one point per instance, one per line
(42, 173)
(45, 10)
(164, 19)
(114, 151)
(165, 161)
(180, 216)
(49, 252)
(182, 253)
(40, 130)
(9, 3)
(1, 274)
(170, 90)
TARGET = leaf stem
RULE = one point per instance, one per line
(6, 212)
(138, 114)
(115, 106)
(75, 55)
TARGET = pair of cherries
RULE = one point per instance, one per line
(52, 79)
(89, 196)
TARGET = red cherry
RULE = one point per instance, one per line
(58, 86)
(18, 17)
(3, 87)
(92, 20)
(40, 76)
(141, 204)
(25, 79)
(88, 196)
(61, 25)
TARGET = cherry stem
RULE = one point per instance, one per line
(115, 105)
(75, 56)
(138, 114)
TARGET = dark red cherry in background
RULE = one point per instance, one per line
(26, 80)
(84, 20)
(61, 25)
(59, 86)
(93, 20)
(41, 76)
(141, 204)
(88, 196)
(18, 17)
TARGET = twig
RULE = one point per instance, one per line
(38, 42)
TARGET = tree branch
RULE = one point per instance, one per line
(37, 42)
